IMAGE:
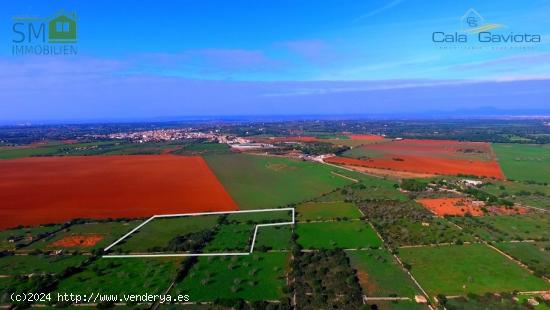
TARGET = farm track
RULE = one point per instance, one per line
(403, 267)
(509, 257)
(517, 262)
(345, 177)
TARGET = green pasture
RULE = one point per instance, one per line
(525, 162)
(38, 264)
(260, 276)
(380, 275)
(317, 211)
(330, 235)
(123, 276)
(536, 255)
(463, 269)
(158, 232)
(259, 182)
(110, 231)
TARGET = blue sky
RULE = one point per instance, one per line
(173, 58)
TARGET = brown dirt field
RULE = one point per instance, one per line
(502, 210)
(427, 165)
(451, 206)
(367, 286)
(43, 190)
(435, 148)
(365, 137)
(77, 241)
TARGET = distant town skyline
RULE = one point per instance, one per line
(139, 60)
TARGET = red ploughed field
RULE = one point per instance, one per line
(43, 190)
(435, 148)
(451, 206)
(429, 156)
(429, 165)
(77, 241)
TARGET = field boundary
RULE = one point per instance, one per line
(200, 214)
(408, 272)
(345, 177)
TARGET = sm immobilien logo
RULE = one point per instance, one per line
(54, 35)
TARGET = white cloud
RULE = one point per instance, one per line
(380, 9)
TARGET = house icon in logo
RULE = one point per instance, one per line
(62, 28)
(471, 20)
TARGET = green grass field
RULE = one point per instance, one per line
(313, 211)
(369, 188)
(27, 264)
(110, 231)
(52, 148)
(122, 276)
(500, 228)
(380, 275)
(261, 217)
(489, 302)
(458, 270)
(23, 236)
(233, 232)
(536, 255)
(325, 134)
(259, 276)
(522, 226)
(57, 148)
(515, 188)
(7, 286)
(397, 305)
(203, 149)
(524, 162)
(128, 148)
(360, 152)
(410, 232)
(535, 195)
(159, 232)
(14, 285)
(257, 182)
(231, 238)
(273, 237)
(356, 144)
(330, 235)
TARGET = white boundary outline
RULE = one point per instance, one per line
(199, 214)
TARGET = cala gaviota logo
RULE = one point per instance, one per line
(474, 28)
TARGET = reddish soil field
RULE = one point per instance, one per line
(43, 190)
(365, 283)
(428, 165)
(77, 241)
(365, 137)
(451, 206)
(430, 157)
(502, 210)
(435, 148)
